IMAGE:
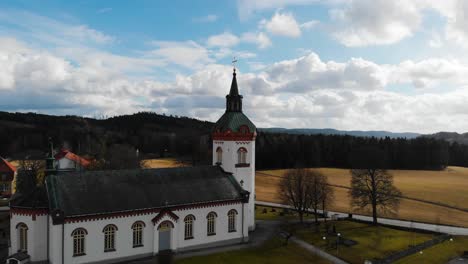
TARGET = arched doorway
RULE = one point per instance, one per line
(165, 232)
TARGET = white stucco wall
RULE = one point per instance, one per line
(94, 244)
(245, 174)
(65, 164)
(37, 235)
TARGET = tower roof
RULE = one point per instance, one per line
(234, 89)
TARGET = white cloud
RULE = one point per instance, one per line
(247, 7)
(375, 22)
(188, 54)
(309, 24)
(206, 19)
(260, 39)
(282, 24)
(225, 39)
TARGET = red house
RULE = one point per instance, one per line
(7, 174)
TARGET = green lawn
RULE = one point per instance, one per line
(271, 213)
(274, 251)
(373, 241)
(439, 254)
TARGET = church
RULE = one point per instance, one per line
(115, 216)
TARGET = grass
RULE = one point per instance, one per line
(447, 186)
(272, 252)
(373, 241)
(439, 254)
(271, 213)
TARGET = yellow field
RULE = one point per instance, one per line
(162, 163)
(448, 187)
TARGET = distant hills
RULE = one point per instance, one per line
(330, 131)
(451, 137)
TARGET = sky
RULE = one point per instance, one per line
(399, 65)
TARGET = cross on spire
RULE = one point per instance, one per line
(234, 61)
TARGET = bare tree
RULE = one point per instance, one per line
(30, 174)
(295, 190)
(328, 196)
(116, 157)
(371, 184)
(316, 180)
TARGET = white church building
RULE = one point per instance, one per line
(115, 216)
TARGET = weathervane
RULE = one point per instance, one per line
(234, 61)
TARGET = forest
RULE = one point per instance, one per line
(26, 135)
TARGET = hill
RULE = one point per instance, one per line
(331, 131)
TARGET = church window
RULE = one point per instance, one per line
(189, 219)
(79, 241)
(242, 156)
(137, 229)
(232, 214)
(211, 224)
(22, 237)
(219, 155)
(109, 238)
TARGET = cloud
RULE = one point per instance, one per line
(206, 19)
(248, 7)
(309, 24)
(47, 30)
(375, 22)
(104, 10)
(260, 39)
(225, 39)
(188, 54)
(282, 24)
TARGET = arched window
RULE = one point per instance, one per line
(232, 214)
(241, 156)
(189, 219)
(22, 237)
(219, 155)
(137, 228)
(79, 235)
(211, 224)
(109, 237)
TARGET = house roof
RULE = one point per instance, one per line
(98, 192)
(65, 153)
(6, 166)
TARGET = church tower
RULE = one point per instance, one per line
(234, 146)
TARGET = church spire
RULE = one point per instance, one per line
(234, 99)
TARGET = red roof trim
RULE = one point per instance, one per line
(64, 153)
(147, 211)
(8, 165)
(232, 136)
(163, 213)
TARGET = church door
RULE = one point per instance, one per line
(165, 229)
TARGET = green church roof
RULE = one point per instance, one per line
(233, 121)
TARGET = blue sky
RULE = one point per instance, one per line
(345, 64)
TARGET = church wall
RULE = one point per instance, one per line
(37, 235)
(55, 242)
(200, 226)
(94, 244)
(245, 174)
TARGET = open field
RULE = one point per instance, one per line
(162, 163)
(274, 251)
(372, 241)
(447, 187)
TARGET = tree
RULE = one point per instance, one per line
(320, 192)
(295, 190)
(328, 196)
(116, 157)
(371, 184)
(30, 174)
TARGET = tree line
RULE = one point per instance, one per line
(154, 136)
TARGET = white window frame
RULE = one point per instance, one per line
(232, 219)
(109, 237)
(137, 229)
(79, 242)
(211, 224)
(188, 227)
